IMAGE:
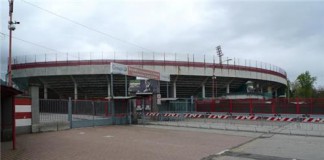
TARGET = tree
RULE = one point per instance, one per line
(304, 85)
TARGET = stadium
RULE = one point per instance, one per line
(68, 75)
(63, 91)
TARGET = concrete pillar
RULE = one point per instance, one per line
(228, 88)
(174, 90)
(269, 89)
(75, 91)
(276, 93)
(203, 91)
(167, 90)
(108, 88)
(126, 86)
(34, 92)
(45, 91)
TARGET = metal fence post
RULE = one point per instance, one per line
(70, 112)
(113, 111)
(251, 109)
(93, 113)
(143, 111)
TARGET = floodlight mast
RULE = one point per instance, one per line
(220, 54)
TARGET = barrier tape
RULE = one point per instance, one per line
(280, 119)
(188, 115)
(217, 117)
(247, 117)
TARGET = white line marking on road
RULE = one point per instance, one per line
(108, 136)
(222, 152)
(81, 133)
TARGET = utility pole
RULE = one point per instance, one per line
(11, 27)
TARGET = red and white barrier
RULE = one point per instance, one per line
(188, 115)
(152, 114)
(171, 115)
(280, 119)
(23, 116)
(217, 116)
(23, 111)
(313, 120)
(247, 117)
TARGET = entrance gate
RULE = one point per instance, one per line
(82, 113)
(87, 113)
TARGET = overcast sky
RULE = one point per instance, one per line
(288, 34)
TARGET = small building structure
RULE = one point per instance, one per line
(8, 122)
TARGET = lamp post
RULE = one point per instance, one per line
(11, 27)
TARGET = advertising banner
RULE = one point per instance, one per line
(116, 68)
(143, 86)
(139, 72)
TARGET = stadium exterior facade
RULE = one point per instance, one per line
(190, 76)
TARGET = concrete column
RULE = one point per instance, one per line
(269, 89)
(75, 91)
(228, 88)
(125, 85)
(276, 93)
(34, 92)
(261, 90)
(174, 90)
(108, 88)
(167, 90)
(203, 91)
(45, 91)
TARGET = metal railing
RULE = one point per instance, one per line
(53, 110)
(263, 106)
(249, 106)
(143, 58)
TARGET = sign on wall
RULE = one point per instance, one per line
(139, 72)
(116, 68)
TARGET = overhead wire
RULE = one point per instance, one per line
(35, 44)
(86, 27)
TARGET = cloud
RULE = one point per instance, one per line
(283, 33)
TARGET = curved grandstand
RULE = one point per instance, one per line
(68, 75)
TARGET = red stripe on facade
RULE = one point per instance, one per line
(22, 101)
(23, 115)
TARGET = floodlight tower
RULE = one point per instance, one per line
(11, 27)
(220, 54)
